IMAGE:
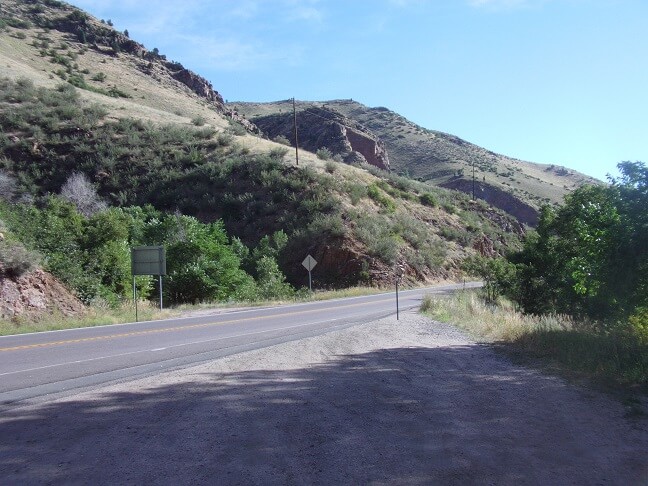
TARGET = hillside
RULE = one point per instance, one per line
(81, 101)
(515, 186)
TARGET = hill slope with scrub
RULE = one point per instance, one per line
(520, 188)
(105, 144)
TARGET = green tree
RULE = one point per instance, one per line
(590, 255)
(201, 265)
(271, 282)
(498, 275)
(105, 242)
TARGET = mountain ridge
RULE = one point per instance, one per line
(515, 186)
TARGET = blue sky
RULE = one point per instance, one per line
(550, 81)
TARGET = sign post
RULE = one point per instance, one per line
(147, 260)
(309, 263)
(398, 276)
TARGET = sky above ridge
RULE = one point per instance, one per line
(551, 81)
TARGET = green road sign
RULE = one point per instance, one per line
(148, 260)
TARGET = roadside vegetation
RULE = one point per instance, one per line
(96, 315)
(575, 347)
(587, 262)
(80, 189)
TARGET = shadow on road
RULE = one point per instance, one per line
(457, 414)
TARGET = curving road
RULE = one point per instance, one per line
(37, 366)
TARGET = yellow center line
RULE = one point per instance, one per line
(170, 329)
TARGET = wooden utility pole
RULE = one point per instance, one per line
(473, 164)
(295, 129)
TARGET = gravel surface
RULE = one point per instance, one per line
(389, 402)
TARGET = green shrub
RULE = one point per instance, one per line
(461, 236)
(282, 140)
(324, 154)
(115, 92)
(638, 322)
(410, 229)
(224, 139)
(235, 128)
(77, 80)
(434, 253)
(428, 199)
(381, 198)
(449, 208)
(201, 265)
(376, 233)
(327, 225)
(356, 192)
(278, 153)
(16, 23)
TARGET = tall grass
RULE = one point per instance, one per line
(612, 356)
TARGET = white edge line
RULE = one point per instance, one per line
(167, 347)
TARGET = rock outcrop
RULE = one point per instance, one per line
(319, 128)
(35, 294)
(200, 86)
(244, 122)
(485, 247)
(503, 200)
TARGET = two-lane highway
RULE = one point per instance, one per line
(34, 366)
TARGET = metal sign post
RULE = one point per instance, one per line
(147, 260)
(398, 276)
(135, 298)
(309, 263)
(397, 310)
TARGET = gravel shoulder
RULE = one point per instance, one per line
(389, 402)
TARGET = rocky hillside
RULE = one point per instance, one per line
(49, 41)
(319, 128)
(515, 186)
(78, 98)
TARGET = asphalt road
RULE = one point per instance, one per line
(40, 366)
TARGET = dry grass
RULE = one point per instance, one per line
(490, 323)
(577, 349)
(95, 316)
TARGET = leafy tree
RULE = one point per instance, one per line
(271, 282)
(105, 242)
(270, 246)
(632, 250)
(201, 265)
(590, 256)
(498, 275)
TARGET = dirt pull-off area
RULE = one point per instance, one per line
(390, 402)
